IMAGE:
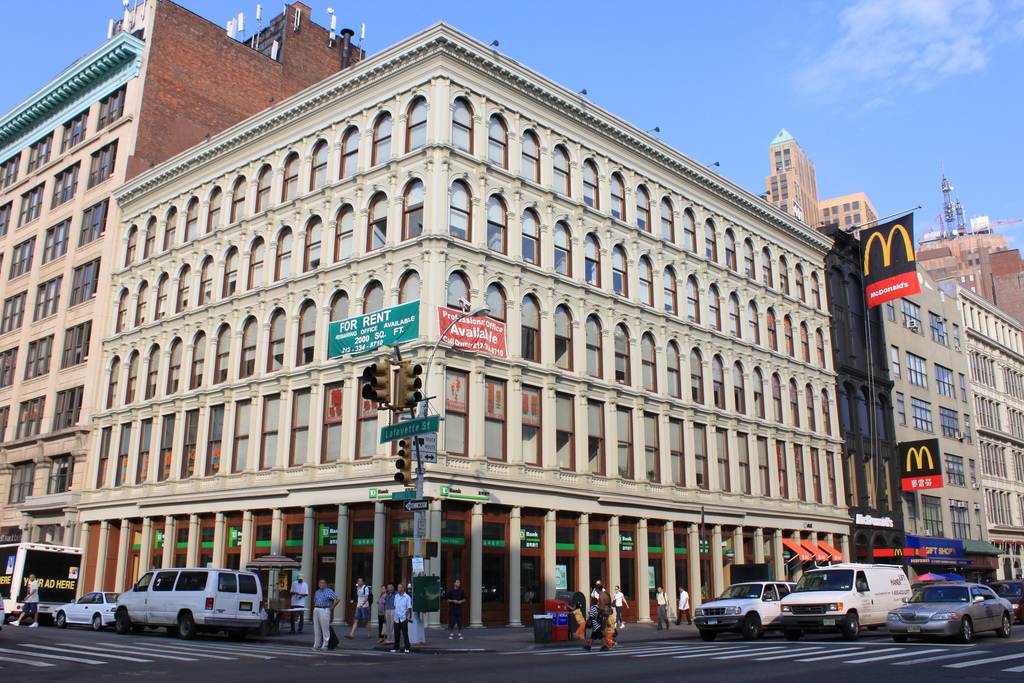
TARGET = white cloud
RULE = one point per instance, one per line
(891, 45)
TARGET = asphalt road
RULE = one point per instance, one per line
(48, 654)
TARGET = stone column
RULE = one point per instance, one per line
(738, 555)
(515, 578)
(799, 566)
(583, 555)
(550, 556)
(780, 573)
(219, 529)
(844, 547)
(245, 549)
(341, 564)
(433, 565)
(145, 549)
(758, 545)
(693, 554)
(643, 580)
(170, 541)
(717, 570)
(122, 554)
(379, 544)
(83, 543)
(276, 532)
(614, 546)
(308, 552)
(101, 556)
(476, 564)
(668, 563)
(192, 552)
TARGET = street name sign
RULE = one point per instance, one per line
(364, 333)
(421, 425)
(404, 495)
(417, 504)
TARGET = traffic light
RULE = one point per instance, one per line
(404, 462)
(377, 383)
(409, 384)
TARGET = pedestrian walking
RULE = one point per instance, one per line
(620, 606)
(684, 606)
(662, 607)
(596, 593)
(363, 599)
(598, 618)
(382, 614)
(403, 614)
(30, 605)
(389, 615)
(324, 601)
(299, 593)
(456, 598)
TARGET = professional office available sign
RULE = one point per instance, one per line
(921, 463)
(890, 271)
(473, 333)
(367, 332)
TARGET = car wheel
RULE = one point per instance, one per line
(97, 622)
(900, 638)
(793, 634)
(707, 636)
(1004, 630)
(61, 620)
(186, 627)
(752, 627)
(851, 629)
(966, 631)
(122, 623)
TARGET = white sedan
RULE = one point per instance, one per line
(95, 609)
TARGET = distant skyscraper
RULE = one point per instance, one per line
(853, 209)
(792, 186)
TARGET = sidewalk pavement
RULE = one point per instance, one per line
(491, 639)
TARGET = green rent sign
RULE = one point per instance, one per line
(367, 332)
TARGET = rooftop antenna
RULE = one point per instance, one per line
(362, 34)
(259, 28)
(334, 24)
(241, 25)
(297, 19)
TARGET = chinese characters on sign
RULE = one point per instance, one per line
(921, 463)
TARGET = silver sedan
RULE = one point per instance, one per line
(950, 609)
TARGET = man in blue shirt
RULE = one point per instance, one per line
(403, 614)
(323, 614)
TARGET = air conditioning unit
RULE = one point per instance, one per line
(975, 485)
(977, 506)
(960, 436)
(957, 347)
(914, 326)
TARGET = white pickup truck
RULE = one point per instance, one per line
(747, 608)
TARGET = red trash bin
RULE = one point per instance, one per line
(559, 611)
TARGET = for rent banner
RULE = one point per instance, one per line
(921, 463)
(890, 271)
(473, 334)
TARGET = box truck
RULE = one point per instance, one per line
(56, 567)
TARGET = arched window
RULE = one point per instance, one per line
(595, 363)
(592, 258)
(238, 199)
(213, 214)
(692, 300)
(377, 230)
(340, 307)
(160, 310)
(307, 334)
(283, 259)
(766, 268)
(496, 228)
(739, 393)
(826, 412)
(748, 260)
(531, 237)
(530, 160)
(562, 253)
(140, 304)
(275, 350)
(646, 274)
(122, 311)
(696, 376)
(192, 220)
(618, 194)
(198, 361)
(247, 362)
(206, 281)
(409, 290)
(735, 326)
(675, 388)
(809, 401)
(290, 188)
(730, 251)
(170, 228)
(670, 294)
(815, 291)
(718, 382)
(459, 224)
(349, 154)
(133, 243)
(223, 357)
(648, 359)
(805, 343)
(787, 329)
(801, 290)
(784, 275)
(115, 377)
(416, 126)
(184, 283)
(531, 330)
(773, 337)
(753, 323)
(715, 308)
(622, 374)
(643, 209)
(412, 216)
(263, 189)
(710, 241)
(560, 171)
(318, 174)
(458, 288)
(758, 393)
(495, 299)
(149, 240)
(563, 338)
(497, 145)
(382, 139)
(174, 367)
(462, 126)
(373, 297)
(230, 273)
(153, 374)
(590, 190)
(668, 222)
(794, 403)
(257, 254)
(777, 397)
(619, 273)
(819, 343)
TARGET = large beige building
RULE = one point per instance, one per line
(666, 347)
(848, 211)
(793, 185)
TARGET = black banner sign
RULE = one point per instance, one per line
(921, 463)
(890, 271)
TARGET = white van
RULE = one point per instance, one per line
(192, 601)
(843, 597)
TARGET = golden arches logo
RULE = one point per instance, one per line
(887, 246)
(919, 455)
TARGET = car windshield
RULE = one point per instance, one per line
(833, 580)
(940, 594)
(1007, 590)
(740, 591)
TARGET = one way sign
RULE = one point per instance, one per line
(417, 504)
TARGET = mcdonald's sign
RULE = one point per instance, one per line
(890, 271)
(921, 463)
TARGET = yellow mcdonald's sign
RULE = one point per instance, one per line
(887, 246)
(919, 455)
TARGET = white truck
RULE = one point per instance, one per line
(747, 608)
(56, 568)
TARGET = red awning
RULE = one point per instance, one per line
(819, 554)
(797, 549)
(836, 555)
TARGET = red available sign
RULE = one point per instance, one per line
(473, 334)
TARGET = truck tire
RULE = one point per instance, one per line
(793, 634)
(186, 626)
(751, 629)
(851, 629)
(122, 623)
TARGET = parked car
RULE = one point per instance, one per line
(193, 601)
(96, 609)
(950, 609)
(1013, 591)
(746, 608)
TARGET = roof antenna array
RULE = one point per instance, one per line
(297, 20)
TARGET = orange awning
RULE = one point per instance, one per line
(819, 554)
(836, 555)
(797, 549)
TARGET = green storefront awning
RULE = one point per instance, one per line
(980, 548)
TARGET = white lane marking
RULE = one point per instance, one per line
(754, 653)
(969, 653)
(29, 662)
(74, 649)
(846, 652)
(899, 654)
(143, 651)
(165, 648)
(178, 650)
(977, 662)
(794, 653)
(1016, 669)
(702, 654)
(40, 654)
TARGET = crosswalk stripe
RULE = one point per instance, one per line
(74, 649)
(104, 650)
(794, 653)
(875, 659)
(969, 653)
(40, 654)
(753, 653)
(165, 648)
(978, 662)
(191, 651)
(1015, 670)
(29, 662)
(845, 652)
(143, 651)
(701, 654)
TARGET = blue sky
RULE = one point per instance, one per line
(879, 93)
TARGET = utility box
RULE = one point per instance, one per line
(426, 594)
